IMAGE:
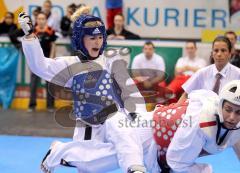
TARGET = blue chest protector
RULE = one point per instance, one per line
(95, 95)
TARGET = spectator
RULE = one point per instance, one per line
(148, 72)
(185, 68)
(113, 7)
(35, 13)
(234, 10)
(52, 19)
(235, 54)
(7, 25)
(118, 32)
(66, 20)
(213, 77)
(234, 6)
(47, 37)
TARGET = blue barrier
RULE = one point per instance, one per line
(8, 72)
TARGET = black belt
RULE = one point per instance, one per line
(99, 118)
(88, 132)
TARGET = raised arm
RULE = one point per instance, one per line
(45, 68)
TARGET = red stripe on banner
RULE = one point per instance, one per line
(208, 124)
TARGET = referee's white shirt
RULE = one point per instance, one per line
(205, 78)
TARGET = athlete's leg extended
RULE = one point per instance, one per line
(102, 155)
(88, 156)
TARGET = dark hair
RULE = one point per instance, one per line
(10, 13)
(41, 12)
(38, 9)
(223, 39)
(149, 43)
(73, 7)
(230, 32)
(48, 1)
(120, 14)
(193, 42)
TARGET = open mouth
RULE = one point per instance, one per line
(95, 49)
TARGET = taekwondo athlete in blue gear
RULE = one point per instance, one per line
(126, 142)
(94, 91)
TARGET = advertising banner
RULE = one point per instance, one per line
(155, 18)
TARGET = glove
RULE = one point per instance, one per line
(26, 23)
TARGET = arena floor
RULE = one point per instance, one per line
(25, 138)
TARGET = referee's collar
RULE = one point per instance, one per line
(223, 72)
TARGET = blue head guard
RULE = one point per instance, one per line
(79, 31)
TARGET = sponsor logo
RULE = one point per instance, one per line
(237, 99)
(96, 31)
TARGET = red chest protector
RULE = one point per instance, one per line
(167, 119)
